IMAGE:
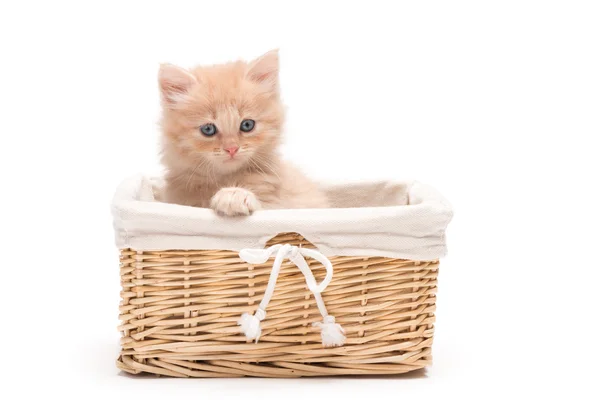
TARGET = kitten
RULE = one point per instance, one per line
(221, 132)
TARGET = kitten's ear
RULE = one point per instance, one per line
(265, 69)
(174, 83)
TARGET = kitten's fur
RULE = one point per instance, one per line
(199, 171)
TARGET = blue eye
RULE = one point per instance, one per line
(208, 129)
(247, 125)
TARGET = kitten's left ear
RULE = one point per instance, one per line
(265, 69)
(174, 83)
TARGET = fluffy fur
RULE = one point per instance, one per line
(199, 171)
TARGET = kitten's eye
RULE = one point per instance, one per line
(208, 129)
(247, 125)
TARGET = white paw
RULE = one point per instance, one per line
(234, 201)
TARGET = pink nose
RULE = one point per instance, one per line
(232, 150)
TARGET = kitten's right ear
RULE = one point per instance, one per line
(174, 82)
(265, 69)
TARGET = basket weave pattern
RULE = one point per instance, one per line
(179, 314)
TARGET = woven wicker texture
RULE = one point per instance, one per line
(179, 314)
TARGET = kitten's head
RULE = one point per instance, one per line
(221, 117)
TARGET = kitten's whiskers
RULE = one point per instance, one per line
(187, 184)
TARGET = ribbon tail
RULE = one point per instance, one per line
(332, 334)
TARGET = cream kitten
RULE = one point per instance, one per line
(221, 131)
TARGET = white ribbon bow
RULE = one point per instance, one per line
(332, 334)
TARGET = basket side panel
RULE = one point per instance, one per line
(180, 310)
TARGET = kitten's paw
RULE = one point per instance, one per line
(234, 201)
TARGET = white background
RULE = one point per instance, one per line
(497, 104)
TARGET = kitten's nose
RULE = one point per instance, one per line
(232, 150)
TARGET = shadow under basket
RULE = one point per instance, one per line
(180, 312)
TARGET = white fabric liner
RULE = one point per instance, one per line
(404, 220)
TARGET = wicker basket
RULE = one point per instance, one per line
(180, 310)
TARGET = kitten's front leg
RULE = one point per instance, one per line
(234, 201)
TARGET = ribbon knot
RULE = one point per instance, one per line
(332, 334)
